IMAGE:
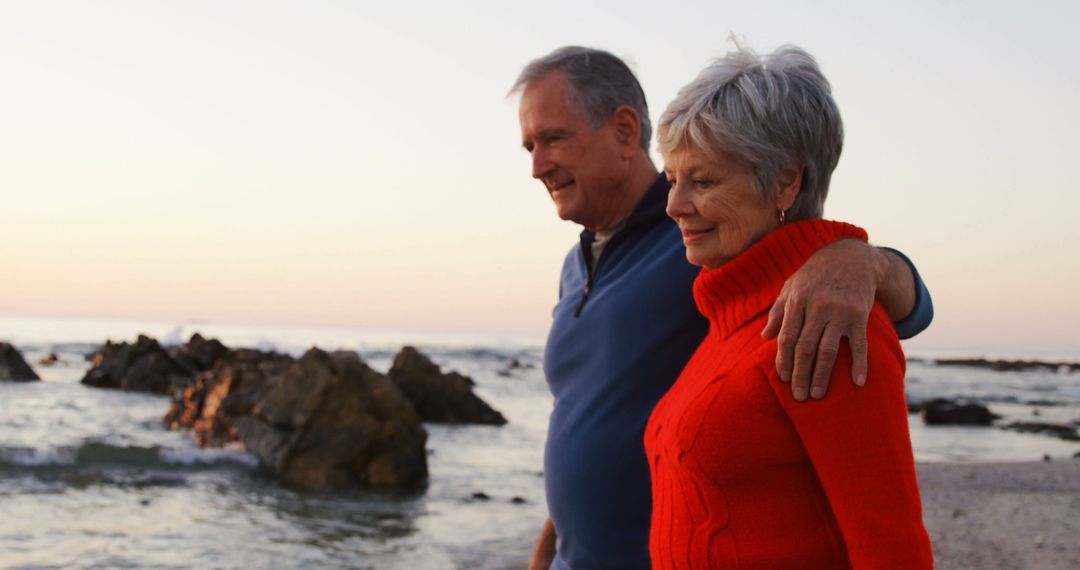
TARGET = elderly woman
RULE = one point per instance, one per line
(743, 475)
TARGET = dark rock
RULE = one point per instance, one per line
(143, 367)
(947, 412)
(516, 364)
(13, 367)
(518, 501)
(198, 354)
(48, 359)
(513, 365)
(440, 397)
(330, 421)
(480, 496)
(1044, 403)
(1009, 365)
(204, 352)
(1064, 432)
(230, 389)
(1046, 457)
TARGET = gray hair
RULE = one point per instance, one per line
(600, 83)
(768, 112)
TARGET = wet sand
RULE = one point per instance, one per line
(1003, 515)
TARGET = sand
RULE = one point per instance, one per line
(990, 516)
(986, 516)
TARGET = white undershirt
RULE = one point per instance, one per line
(600, 242)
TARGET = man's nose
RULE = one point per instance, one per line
(541, 163)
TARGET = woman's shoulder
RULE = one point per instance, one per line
(885, 356)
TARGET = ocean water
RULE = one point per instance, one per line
(90, 478)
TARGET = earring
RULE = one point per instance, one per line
(781, 217)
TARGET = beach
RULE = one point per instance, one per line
(92, 478)
(1003, 515)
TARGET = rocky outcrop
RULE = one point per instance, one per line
(143, 367)
(230, 389)
(330, 421)
(198, 354)
(1068, 433)
(1008, 365)
(324, 421)
(13, 368)
(146, 366)
(439, 397)
(947, 412)
(513, 366)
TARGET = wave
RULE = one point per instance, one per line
(96, 454)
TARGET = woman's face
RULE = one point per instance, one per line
(718, 209)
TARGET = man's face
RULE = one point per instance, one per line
(581, 167)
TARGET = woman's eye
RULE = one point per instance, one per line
(702, 184)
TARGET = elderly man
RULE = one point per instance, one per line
(626, 322)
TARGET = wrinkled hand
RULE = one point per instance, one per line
(828, 299)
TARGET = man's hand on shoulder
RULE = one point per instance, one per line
(828, 299)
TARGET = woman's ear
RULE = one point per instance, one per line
(787, 186)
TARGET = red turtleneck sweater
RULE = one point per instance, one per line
(743, 476)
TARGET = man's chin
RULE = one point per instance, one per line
(565, 211)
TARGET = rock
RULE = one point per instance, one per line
(518, 501)
(513, 365)
(1067, 433)
(330, 422)
(1010, 365)
(199, 354)
(12, 366)
(323, 421)
(480, 496)
(230, 389)
(48, 359)
(1044, 403)
(144, 367)
(440, 397)
(947, 412)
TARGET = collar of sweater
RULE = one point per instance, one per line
(738, 291)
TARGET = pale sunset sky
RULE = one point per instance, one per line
(359, 164)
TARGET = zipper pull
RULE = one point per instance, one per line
(584, 297)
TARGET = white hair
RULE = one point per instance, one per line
(768, 112)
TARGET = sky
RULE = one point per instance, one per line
(359, 164)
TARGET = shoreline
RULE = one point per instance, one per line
(1002, 515)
